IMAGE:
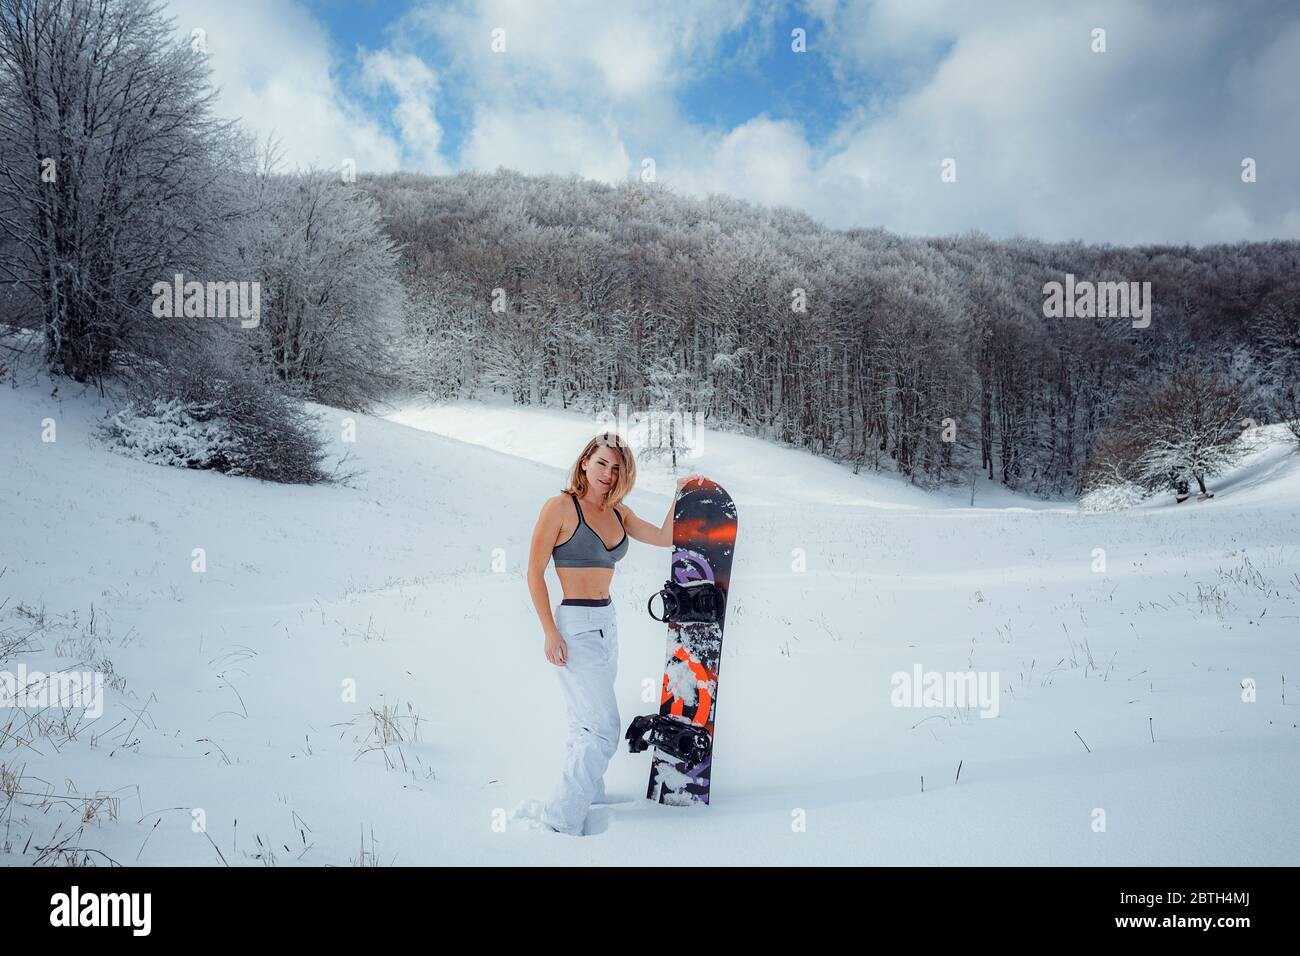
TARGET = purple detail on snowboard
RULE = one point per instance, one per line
(689, 566)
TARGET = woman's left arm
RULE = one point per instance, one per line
(643, 530)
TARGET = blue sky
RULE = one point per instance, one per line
(1140, 140)
(749, 71)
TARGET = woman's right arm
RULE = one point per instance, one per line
(547, 530)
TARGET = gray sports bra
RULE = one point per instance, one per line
(585, 549)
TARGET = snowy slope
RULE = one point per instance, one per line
(408, 584)
(761, 473)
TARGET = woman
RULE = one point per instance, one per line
(584, 529)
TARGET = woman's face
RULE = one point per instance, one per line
(602, 468)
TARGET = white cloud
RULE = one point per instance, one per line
(273, 63)
(543, 141)
(416, 88)
(610, 51)
(763, 160)
(628, 57)
(1140, 144)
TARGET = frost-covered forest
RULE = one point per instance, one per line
(856, 344)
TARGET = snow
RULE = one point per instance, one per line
(254, 699)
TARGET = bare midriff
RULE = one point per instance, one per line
(585, 583)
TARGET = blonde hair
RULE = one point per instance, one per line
(626, 473)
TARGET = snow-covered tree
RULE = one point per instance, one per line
(1190, 426)
(331, 300)
(672, 394)
(113, 171)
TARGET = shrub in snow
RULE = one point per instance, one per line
(172, 432)
(1287, 407)
(1188, 427)
(204, 410)
(1112, 496)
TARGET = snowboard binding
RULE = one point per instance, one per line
(698, 601)
(685, 741)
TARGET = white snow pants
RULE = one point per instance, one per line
(587, 679)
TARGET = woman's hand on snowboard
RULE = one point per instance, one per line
(681, 482)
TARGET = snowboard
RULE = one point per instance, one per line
(694, 603)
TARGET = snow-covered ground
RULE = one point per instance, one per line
(1120, 643)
